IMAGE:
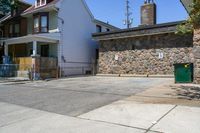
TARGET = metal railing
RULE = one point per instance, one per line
(14, 70)
(32, 72)
(77, 68)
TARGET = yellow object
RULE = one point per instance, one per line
(186, 65)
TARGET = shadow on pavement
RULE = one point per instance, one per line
(187, 92)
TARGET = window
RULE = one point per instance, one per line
(36, 25)
(44, 24)
(39, 3)
(43, 2)
(99, 29)
(107, 29)
(16, 30)
(10, 30)
(40, 23)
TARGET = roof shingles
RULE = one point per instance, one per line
(33, 8)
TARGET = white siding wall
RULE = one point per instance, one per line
(78, 27)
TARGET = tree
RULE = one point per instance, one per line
(193, 21)
(7, 5)
(195, 13)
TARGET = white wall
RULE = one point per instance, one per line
(77, 30)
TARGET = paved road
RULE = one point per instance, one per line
(74, 96)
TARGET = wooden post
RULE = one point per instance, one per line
(35, 62)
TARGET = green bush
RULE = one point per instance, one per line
(193, 21)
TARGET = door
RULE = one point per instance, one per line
(1, 54)
(183, 73)
(44, 50)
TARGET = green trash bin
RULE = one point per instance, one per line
(183, 73)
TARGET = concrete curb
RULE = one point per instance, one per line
(131, 75)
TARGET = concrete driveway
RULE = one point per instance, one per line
(74, 96)
(99, 105)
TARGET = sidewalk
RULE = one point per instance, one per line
(168, 108)
(149, 117)
(17, 119)
(119, 117)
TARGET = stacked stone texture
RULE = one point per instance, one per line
(196, 50)
(148, 14)
(140, 55)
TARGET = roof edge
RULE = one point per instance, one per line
(162, 25)
(105, 24)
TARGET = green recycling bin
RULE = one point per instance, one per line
(183, 73)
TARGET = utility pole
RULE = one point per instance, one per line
(128, 21)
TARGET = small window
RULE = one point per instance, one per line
(39, 3)
(40, 23)
(43, 2)
(107, 29)
(44, 24)
(99, 28)
(11, 29)
(17, 28)
(36, 24)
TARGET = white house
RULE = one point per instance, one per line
(59, 29)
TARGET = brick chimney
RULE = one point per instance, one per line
(148, 13)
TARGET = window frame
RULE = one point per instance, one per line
(39, 16)
(100, 28)
(39, 3)
(12, 30)
(16, 34)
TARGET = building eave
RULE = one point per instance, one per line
(105, 24)
(50, 6)
(45, 8)
(30, 38)
(5, 18)
(138, 31)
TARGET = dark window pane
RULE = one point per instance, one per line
(99, 29)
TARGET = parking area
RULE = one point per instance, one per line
(100, 104)
(75, 96)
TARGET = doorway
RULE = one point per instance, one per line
(1, 54)
(44, 50)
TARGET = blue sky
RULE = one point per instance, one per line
(113, 11)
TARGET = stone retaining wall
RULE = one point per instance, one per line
(140, 55)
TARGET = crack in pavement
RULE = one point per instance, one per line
(149, 129)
